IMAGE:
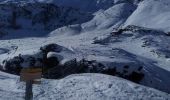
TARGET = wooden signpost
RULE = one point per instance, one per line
(30, 76)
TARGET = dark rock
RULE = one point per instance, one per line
(14, 65)
(117, 32)
(126, 67)
(140, 68)
(110, 71)
(168, 33)
(136, 77)
(51, 48)
(52, 62)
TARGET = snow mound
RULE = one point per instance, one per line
(81, 87)
(67, 30)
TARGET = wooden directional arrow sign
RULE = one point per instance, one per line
(30, 76)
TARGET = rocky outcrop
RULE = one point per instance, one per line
(49, 59)
(133, 29)
(40, 59)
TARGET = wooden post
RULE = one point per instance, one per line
(28, 93)
(30, 76)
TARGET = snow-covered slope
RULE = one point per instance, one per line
(112, 17)
(79, 87)
(152, 14)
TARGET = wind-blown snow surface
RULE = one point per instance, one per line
(136, 47)
(79, 87)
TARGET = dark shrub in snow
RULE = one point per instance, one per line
(136, 76)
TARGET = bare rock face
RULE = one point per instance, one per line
(43, 17)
